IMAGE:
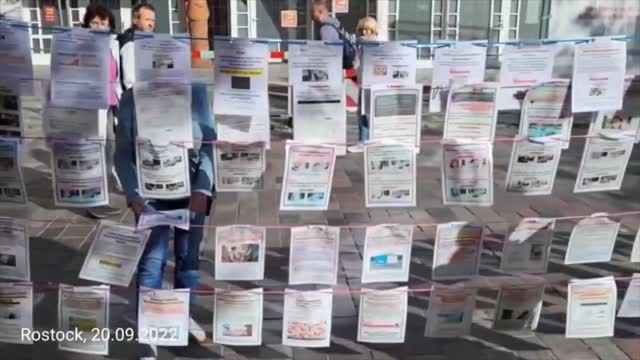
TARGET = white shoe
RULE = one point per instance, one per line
(358, 148)
(197, 331)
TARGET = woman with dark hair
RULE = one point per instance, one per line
(100, 18)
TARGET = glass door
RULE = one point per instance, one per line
(243, 18)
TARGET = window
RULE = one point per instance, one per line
(174, 12)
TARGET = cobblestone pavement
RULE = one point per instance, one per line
(61, 237)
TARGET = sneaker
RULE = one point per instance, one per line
(358, 148)
(102, 212)
(196, 331)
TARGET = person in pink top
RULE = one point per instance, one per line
(99, 17)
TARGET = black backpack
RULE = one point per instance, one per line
(348, 48)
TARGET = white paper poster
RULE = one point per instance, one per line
(450, 312)
(237, 318)
(631, 303)
(457, 251)
(16, 312)
(455, 64)
(14, 249)
(16, 68)
(163, 113)
(387, 253)
(622, 123)
(635, 251)
(467, 173)
(518, 307)
(313, 255)
(73, 123)
(527, 248)
(592, 240)
(240, 252)
(163, 317)
(239, 167)
(85, 308)
(604, 163)
(471, 112)
(79, 174)
(12, 188)
(591, 308)
(395, 113)
(546, 114)
(306, 318)
(533, 167)
(241, 94)
(599, 69)
(162, 58)
(150, 218)
(390, 175)
(11, 123)
(315, 63)
(163, 170)
(114, 254)
(308, 176)
(382, 316)
(80, 69)
(388, 62)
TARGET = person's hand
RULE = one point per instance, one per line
(198, 202)
(137, 206)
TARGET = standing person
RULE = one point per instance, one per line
(144, 20)
(329, 26)
(98, 17)
(186, 243)
(367, 30)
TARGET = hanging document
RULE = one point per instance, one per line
(178, 218)
(163, 170)
(315, 63)
(85, 309)
(455, 64)
(390, 174)
(591, 308)
(237, 318)
(450, 312)
(387, 253)
(599, 69)
(631, 303)
(471, 112)
(241, 94)
(14, 249)
(320, 115)
(80, 69)
(11, 124)
(306, 318)
(635, 251)
(162, 58)
(395, 113)
(382, 316)
(546, 114)
(527, 248)
(604, 162)
(313, 255)
(70, 123)
(623, 123)
(308, 175)
(163, 317)
(16, 307)
(592, 240)
(16, 68)
(163, 113)
(457, 251)
(518, 307)
(12, 188)
(114, 254)
(533, 167)
(79, 174)
(239, 167)
(389, 62)
(467, 173)
(240, 251)
(523, 66)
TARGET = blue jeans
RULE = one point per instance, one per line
(363, 128)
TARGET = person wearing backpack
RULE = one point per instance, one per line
(331, 31)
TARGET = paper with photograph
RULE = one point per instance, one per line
(163, 113)
(74, 123)
(12, 188)
(604, 163)
(389, 62)
(239, 167)
(162, 58)
(546, 113)
(395, 113)
(533, 167)
(85, 309)
(163, 317)
(467, 173)
(315, 63)
(308, 176)
(14, 249)
(457, 251)
(79, 173)
(150, 218)
(114, 254)
(16, 312)
(241, 94)
(237, 318)
(527, 248)
(390, 174)
(622, 123)
(16, 68)
(163, 170)
(592, 240)
(599, 68)
(11, 123)
(450, 312)
(306, 318)
(80, 69)
(591, 308)
(387, 253)
(471, 112)
(518, 307)
(313, 255)
(382, 316)
(240, 252)
(631, 303)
